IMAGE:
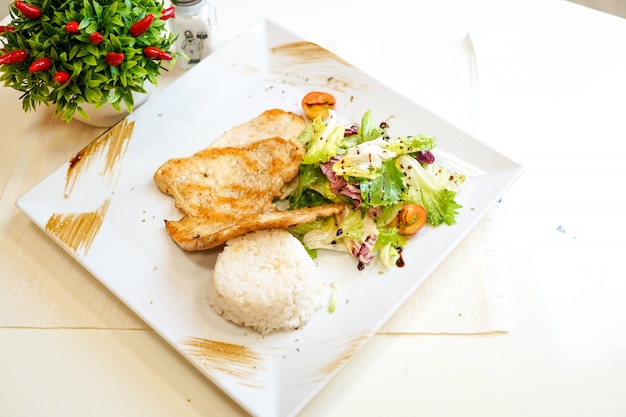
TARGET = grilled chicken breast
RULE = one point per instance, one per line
(225, 192)
(270, 123)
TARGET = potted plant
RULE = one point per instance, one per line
(77, 53)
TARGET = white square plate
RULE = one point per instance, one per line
(104, 209)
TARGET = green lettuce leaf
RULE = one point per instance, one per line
(322, 139)
(421, 187)
(366, 160)
(384, 190)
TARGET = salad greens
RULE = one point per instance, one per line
(376, 176)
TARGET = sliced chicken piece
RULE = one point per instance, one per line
(225, 192)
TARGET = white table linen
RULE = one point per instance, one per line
(551, 93)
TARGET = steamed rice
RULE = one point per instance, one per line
(267, 281)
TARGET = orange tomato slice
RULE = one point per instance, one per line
(410, 219)
(317, 103)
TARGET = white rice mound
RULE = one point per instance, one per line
(266, 280)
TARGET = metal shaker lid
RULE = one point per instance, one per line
(185, 2)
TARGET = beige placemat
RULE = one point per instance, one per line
(42, 286)
(466, 293)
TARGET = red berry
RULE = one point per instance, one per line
(14, 57)
(61, 77)
(154, 53)
(141, 26)
(114, 58)
(28, 10)
(168, 13)
(41, 64)
(72, 27)
(95, 38)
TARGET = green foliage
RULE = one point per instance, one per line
(92, 80)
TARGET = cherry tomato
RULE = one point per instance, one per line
(410, 219)
(317, 103)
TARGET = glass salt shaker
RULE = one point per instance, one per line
(195, 23)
